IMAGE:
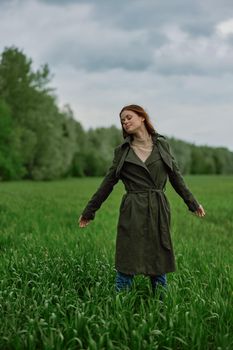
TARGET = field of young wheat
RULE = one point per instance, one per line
(57, 280)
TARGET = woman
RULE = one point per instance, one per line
(143, 162)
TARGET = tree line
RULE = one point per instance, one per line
(39, 141)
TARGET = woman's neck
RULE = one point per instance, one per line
(141, 136)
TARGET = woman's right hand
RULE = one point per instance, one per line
(83, 222)
(200, 211)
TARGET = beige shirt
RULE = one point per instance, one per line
(142, 148)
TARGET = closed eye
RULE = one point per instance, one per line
(128, 117)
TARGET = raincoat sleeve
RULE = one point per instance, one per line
(178, 183)
(103, 191)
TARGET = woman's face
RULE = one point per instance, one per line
(131, 122)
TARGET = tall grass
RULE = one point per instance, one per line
(57, 280)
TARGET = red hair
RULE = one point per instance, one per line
(141, 113)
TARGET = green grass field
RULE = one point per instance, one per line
(57, 280)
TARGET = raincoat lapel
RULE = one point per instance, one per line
(132, 157)
(158, 140)
(124, 152)
(163, 150)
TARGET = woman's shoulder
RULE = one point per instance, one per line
(118, 151)
(161, 138)
(124, 143)
(163, 141)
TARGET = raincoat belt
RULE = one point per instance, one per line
(163, 213)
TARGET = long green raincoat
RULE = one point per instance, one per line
(143, 242)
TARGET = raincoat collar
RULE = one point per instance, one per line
(128, 139)
(158, 139)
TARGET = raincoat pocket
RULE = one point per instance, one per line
(165, 225)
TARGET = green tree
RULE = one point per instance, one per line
(24, 91)
(182, 153)
(19, 85)
(55, 142)
(10, 162)
(45, 136)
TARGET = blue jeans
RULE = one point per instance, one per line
(124, 281)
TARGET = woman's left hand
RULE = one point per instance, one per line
(200, 211)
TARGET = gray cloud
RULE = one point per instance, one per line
(171, 38)
(139, 37)
(104, 50)
(173, 57)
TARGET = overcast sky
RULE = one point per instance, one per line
(173, 57)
